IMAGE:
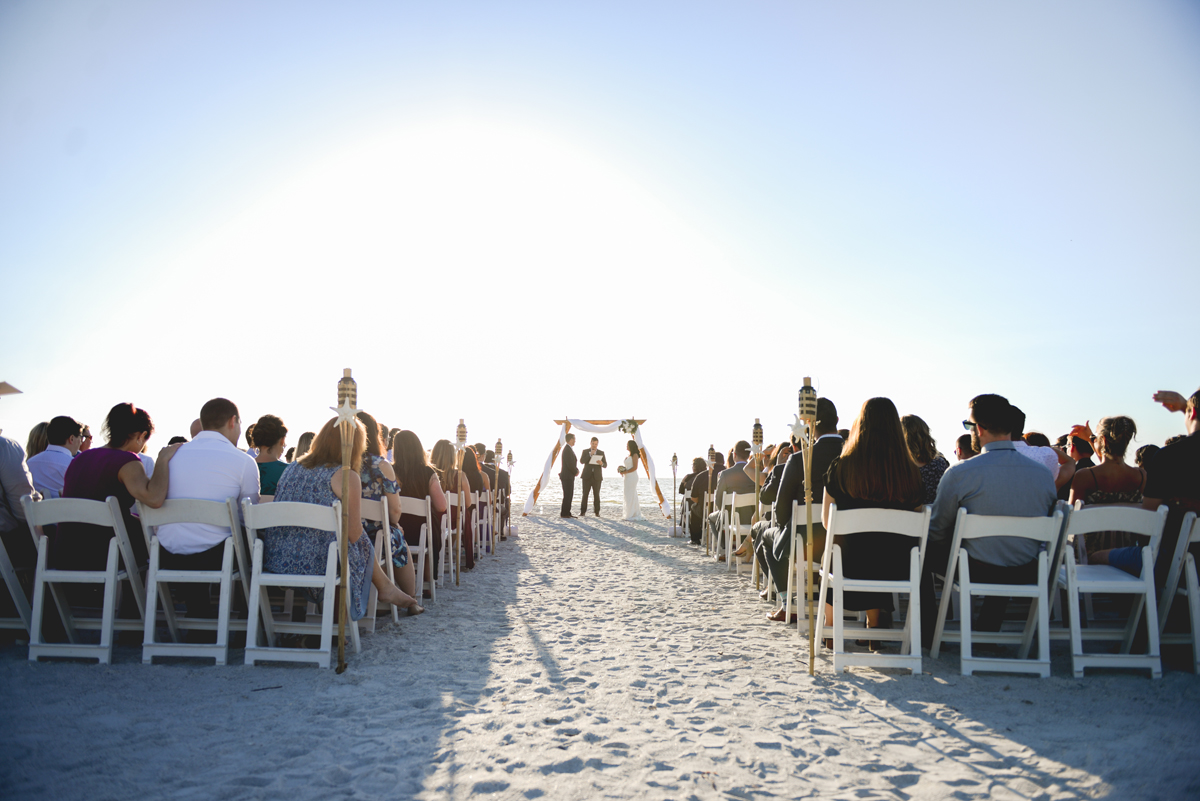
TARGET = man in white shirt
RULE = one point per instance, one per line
(65, 435)
(1061, 470)
(211, 468)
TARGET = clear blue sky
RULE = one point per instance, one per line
(508, 212)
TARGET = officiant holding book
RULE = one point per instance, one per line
(593, 462)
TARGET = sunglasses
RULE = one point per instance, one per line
(968, 425)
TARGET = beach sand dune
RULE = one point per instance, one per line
(592, 659)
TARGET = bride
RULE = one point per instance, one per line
(632, 509)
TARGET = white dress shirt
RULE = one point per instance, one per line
(1040, 454)
(209, 468)
(48, 469)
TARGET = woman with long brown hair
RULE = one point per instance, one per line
(316, 477)
(418, 479)
(922, 447)
(874, 471)
(454, 481)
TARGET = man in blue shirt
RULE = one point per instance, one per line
(999, 481)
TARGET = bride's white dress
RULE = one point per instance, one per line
(630, 506)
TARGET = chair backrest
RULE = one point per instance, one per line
(190, 510)
(452, 499)
(743, 501)
(72, 510)
(1189, 534)
(287, 513)
(415, 506)
(1090, 519)
(375, 510)
(265, 498)
(1042, 529)
(895, 521)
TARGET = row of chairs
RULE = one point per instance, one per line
(1061, 568)
(154, 601)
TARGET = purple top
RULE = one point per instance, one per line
(93, 475)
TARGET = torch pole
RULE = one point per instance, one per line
(347, 400)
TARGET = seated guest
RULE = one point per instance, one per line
(177, 440)
(1079, 446)
(209, 468)
(291, 453)
(15, 482)
(317, 477)
(874, 471)
(1061, 467)
(64, 435)
(453, 482)
(1144, 453)
(685, 490)
(115, 470)
(962, 448)
(732, 480)
(770, 479)
(490, 469)
(379, 484)
(86, 444)
(705, 482)
(303, 444)
(1111, 481)
(923, 449)
(999, 481)
(196, 428)
(38, 439)
(773, 542)
(270, 437)
(419, 480)
(476, 482)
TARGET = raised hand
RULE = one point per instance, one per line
(1171, 401)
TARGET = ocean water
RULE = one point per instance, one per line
(612, 490)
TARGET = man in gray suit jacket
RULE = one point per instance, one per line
(731, 480)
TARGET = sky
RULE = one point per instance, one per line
(511, 212)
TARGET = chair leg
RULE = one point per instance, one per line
(964, 589)
(224, 602)
(257, 596)
(151, 603)
(109, 612)
(39, 601)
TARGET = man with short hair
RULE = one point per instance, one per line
(209, 468)
(1173, 480)
(15, 481)
(594, 462)
(999, 481)
(64, 435)
(567, 475)
(962, 448)
(1061, 469)
(732, 480)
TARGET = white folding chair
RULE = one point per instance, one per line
(376, 511)
(795, 599)
(1183, 567)
(420, 553)
(308, 515)
(452, 535)
(158, 580)
(855, 521)
(20, 602)
(119, 566)
(736, 530)
(1079, 579)
(1046, 530)
(721, 541)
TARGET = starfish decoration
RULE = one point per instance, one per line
(345, 413)
(799, 428)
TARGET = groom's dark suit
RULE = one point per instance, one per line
(569, 471)
(592, 465)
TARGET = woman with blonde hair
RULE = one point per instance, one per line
(317, 477)
(303, 444)
(874, 471)
(923, 449)
(39, 439)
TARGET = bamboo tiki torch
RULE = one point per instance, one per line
(756, 440)
(498, 511)
(808, 414)
(674, 487)
(460, 443)
(712, 458)
(347, 395)
(508, 517)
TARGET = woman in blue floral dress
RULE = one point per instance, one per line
(379, 482)
(317, 478)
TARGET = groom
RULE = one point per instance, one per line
(569, 471)
(593, 462)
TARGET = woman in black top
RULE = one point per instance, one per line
(418, 480)
(874, 471)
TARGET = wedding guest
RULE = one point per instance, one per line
(1174, 439)
(1144, 453)
(379, 483)
(250, 449)
(962, 448)
(1173, 479)
(999, 481)
(498, 478)
(86, 444)
(923, 449)
(303, 444)
(1034, 439)
(177, 440)
(685, 491)
(317, 478)
(1111, 481)
(209, 468)
(15, 482)
(476, 480)
(38, 439)
(197, 427)
(874, 471)
(291, 452)
(271, 438)
(419, 480)
(111, 470)
(1060, 466)
(454, 482)
(1079, 446)
(732, 480)
(64, 435)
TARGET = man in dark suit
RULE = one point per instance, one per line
(569, 471)
(593, 462)
(773, 542)
(732, 480)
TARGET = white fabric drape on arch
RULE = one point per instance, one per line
(593, 428)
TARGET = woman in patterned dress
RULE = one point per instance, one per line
(923, 450)
(317, 478)
(379, 482)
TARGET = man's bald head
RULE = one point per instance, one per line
(197, 427)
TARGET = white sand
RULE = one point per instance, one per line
(592, 659)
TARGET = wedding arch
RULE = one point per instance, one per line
(598, 427)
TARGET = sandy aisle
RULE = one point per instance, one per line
(593, 659)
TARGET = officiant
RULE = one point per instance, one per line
(593, 462)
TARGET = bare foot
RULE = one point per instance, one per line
(398, 597)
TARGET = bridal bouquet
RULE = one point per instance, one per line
(629, 427)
